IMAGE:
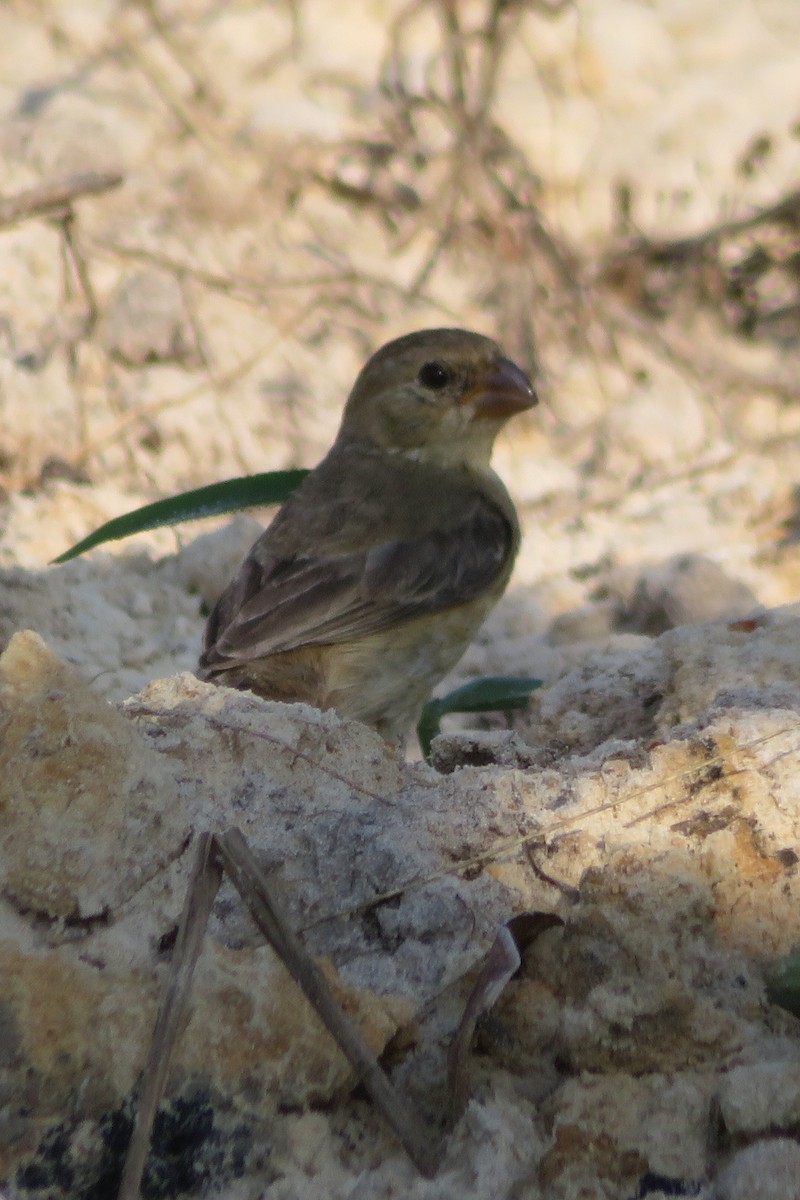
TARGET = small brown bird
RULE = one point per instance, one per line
(375, 574)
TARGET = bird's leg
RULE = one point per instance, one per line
(229, 853)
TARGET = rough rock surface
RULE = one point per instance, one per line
(634, 1034)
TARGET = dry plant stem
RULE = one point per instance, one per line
(76, 280)
(786, 211)
(188, 114)
(54, 199)
(249, 881)
(75, 259)
(75, 270)
(167, 35)
(454, 49)
(566, 889)
(203, 886)
(499, 965)
(495, 42)
(229, 853)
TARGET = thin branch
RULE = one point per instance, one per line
(201, 892)
(784, 211)
(54, 199)
(249, 881)
(230, 854)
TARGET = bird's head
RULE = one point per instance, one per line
(441, 395)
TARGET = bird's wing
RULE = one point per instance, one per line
(284, 603)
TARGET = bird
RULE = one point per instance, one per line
(377, 571)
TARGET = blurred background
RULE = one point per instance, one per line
(268, 191)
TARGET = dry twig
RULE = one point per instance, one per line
(229, 853)
(54, 200)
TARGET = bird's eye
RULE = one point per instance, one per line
(434, 375)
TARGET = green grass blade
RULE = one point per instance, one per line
(248, 491)
(493, 693)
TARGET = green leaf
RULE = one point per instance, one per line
(493, 693)
(783, 983)
(271, 487)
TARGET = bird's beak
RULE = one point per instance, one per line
(500, 391)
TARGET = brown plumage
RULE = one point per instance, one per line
(375, 574)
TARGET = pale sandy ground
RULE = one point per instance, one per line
(280, 216)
